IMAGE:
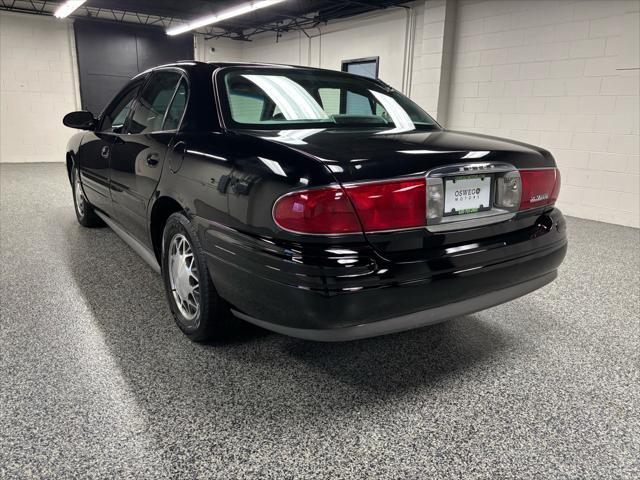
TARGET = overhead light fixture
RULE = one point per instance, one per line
(477, 154)
(67, 8)
(232, 12)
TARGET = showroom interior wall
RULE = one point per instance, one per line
(377, 34)
(38, 85)
(560, 74)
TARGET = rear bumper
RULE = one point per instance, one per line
(342, 294)
(409, 321)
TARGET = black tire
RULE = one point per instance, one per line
(213, 318)
(85, 213)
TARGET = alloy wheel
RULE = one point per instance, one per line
(183, 276)
(80, 200)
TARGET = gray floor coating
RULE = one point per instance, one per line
(97, 382)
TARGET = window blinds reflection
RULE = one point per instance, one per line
(399, 116)
(293, 100)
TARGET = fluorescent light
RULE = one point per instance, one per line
(67, 8)
(294, 101)
(295, 137)
(478, 154)
(273, 166)
(426, 152)
(232, 12)
(399, 116)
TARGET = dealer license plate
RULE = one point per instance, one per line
(467, 194)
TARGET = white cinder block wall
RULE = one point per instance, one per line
(38, 85)
(563, 75)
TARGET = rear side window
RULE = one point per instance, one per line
(330, 98)
(247, 106)
(148, 114)
(178, 104)
(335, 102)
(358, 104)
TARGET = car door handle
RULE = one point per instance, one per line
(104, 153)
(176, 156)
(180, 148)
(153, 159)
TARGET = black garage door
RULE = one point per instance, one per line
(110, 54)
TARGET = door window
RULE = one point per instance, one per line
(115, 118)
(148, 114)
(174, 114)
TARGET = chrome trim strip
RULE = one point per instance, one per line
(216, 93)
(184, 75)
(537, 168)
(470, 168)
(480, 219)
(410, 321)
(146, 254)
(471, 220)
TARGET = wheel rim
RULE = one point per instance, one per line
(183, 276)
(79, 196)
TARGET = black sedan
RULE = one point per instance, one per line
(314, 203)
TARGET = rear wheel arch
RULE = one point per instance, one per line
(161, 210)
(70, 161)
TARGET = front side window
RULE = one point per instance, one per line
(285, 99)
(115, 118)
(148, 114)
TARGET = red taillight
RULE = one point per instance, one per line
(388, 205)
(556, 188)
(321, 211)
(539, 187)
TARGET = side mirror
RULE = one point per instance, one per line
(82, 120)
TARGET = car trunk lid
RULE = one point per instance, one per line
(369, 155)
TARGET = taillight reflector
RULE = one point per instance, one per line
(322, 211)
(539, 187)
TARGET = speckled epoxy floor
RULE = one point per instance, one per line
(97, 382)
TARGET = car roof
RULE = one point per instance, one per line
(198, 65)
(212, 66)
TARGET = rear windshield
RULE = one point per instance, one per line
(278, 98)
